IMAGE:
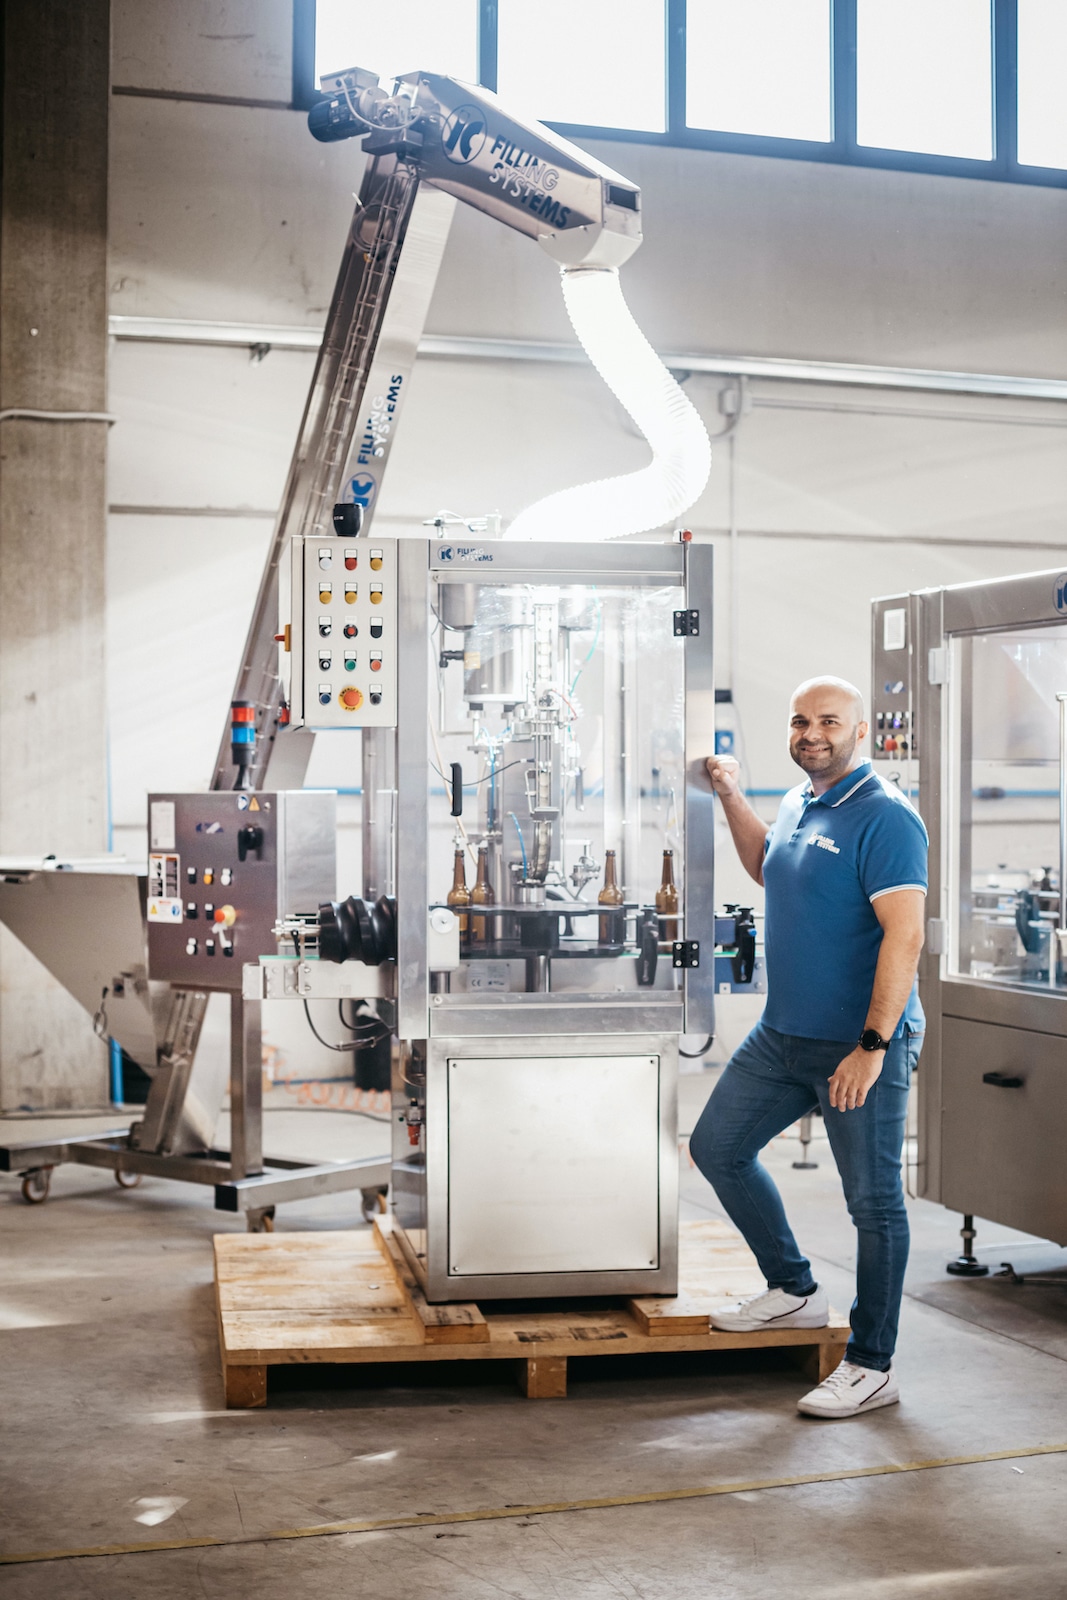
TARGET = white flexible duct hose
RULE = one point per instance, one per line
(681, 451)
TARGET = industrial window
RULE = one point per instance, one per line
(391, 39)
(924, 78)
(965, 88)
(762, 67)
(1042, 99)
(595, 62)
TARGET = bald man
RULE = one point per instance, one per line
(844, 869)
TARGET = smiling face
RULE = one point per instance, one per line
(825, 726)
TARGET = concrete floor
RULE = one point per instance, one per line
(112, 1402)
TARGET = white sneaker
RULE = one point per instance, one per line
(850, 1390)
(773, 1309)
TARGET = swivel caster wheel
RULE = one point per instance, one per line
(127, 1180)
(372, 1203)
(260, 1220)
(35, 1186)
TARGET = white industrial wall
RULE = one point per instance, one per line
(233, 213)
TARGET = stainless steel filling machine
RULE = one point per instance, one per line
(969, 714)
(532, 718)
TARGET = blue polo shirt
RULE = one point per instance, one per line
(827, 860)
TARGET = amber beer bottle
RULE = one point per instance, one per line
(612, 923)
(667, 900)
(459, 895)
(481, 895)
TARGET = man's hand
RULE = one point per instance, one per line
(854, 1078)
(725, 775)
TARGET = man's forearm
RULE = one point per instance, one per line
(749, 833)
(898, 961)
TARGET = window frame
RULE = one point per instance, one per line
(843, 149)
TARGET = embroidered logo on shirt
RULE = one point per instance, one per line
(824, 843)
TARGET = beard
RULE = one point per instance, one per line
(822, 759)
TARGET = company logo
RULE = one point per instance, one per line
(463, 552)
(464, 134)
(824, 843)
(362, 488)
(1061, 592)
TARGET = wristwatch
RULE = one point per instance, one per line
(870, 1039)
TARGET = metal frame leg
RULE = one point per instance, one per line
(246, 1087)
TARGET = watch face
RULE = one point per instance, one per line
(871, 1039)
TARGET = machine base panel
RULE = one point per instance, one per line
(347, 1297)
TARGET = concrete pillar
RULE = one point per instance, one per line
(53, 505)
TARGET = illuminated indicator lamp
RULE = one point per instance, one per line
(325, 559)
(351, 594)
(209, 876)
(376, 561)
(190, 947)
(325, 693)
(351, 631)
(375, 663)
(376, 596)
(350, 663)
(325, 593)
(376, 629)
(351, 560)
(325, 627)
(242, 742)
(350, 698)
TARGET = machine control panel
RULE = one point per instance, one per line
(343, 638)
(222, 868)
(894, 733)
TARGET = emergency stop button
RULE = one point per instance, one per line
(225, 916)
(351, 698)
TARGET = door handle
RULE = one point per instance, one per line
(1003, 1080)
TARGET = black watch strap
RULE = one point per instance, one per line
(870, 1039)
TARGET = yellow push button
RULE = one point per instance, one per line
(351, 698)
(376, 560)
(351, 594)
(376, 597)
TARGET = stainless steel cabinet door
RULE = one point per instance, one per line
(553, 1164)
(1004, 1149)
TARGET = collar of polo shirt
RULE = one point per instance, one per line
(841, 791)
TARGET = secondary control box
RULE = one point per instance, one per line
(343, 633)
(894, 630)
(222, 868)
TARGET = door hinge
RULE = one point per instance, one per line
(686, 624)
(937, 665)
(935, 936)
(685, 953)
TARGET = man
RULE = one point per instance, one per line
(844, 867)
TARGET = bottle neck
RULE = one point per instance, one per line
(459, 877)
(667, 881)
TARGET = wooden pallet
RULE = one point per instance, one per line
(303, 1298)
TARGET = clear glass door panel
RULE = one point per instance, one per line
(1005, 789)
(564, 706)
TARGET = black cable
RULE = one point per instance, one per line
(521, 761)
(354, 1045)
(693, 1055)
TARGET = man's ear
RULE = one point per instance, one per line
(862, 730)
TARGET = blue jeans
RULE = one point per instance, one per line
(771, 1081)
